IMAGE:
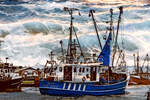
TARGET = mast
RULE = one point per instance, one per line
(72, 45)
(69, 57)
(137, 72)
(110, 29)
(95, 26)
(134, 61)
(111, 21)
(116, 38)
(118, 26)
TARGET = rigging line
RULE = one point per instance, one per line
(113, 39)
(103, 34)
(145, 60)
(122, 35)
(78, 42)
(100, 28)
(119, 57)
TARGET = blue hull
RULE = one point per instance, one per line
(60, 92)
(56, 88)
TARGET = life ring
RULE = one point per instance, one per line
(83, 79)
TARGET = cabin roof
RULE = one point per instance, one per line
(26, 68)
(84, 64)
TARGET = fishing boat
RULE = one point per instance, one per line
(10, 84)
(141, 75)
(80, 76)
(9, 80)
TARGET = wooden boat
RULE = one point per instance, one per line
(79, 77)
(9, 81)
(136, 80)
(140, 77)
(10, 85)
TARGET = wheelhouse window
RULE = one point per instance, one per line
(75, 69)
(87, 70)
(60, 69)
(83, 70)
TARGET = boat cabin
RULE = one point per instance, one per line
(7, 68)
(81, 72)
(29, 73)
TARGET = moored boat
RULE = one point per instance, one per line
(79, 77)
(137, 80)
(10, 85)
(9, 80)
(59, 88)
(141, 75)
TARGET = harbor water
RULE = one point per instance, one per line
(30, 93)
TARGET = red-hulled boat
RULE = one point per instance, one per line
(9, 80)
